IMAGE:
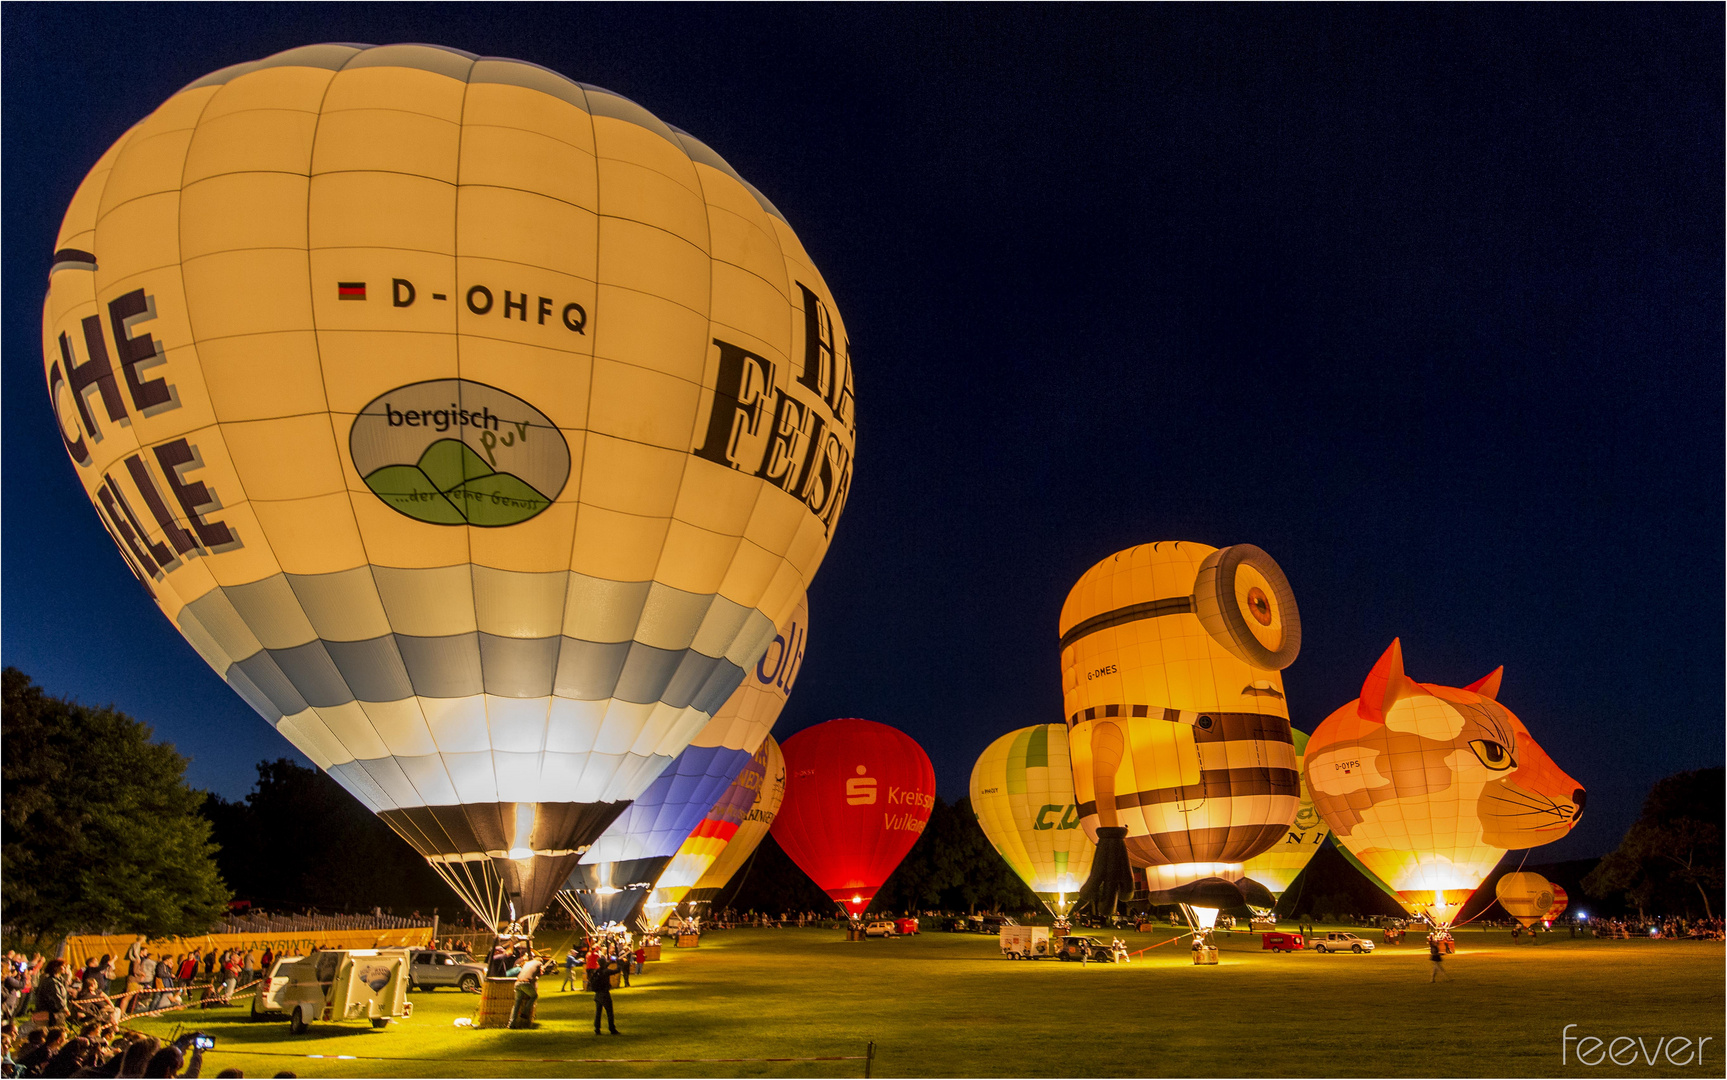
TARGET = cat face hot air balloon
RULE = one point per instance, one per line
(1171, 661)
(1279, 865)
(614, 878)
(474, 424)
(858, 795)
(1022, 793)
(1428, 786)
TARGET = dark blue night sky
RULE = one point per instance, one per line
(1425, 301)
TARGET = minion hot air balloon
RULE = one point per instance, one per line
(1428, 786)
(474, 424)
(1022, 793)
(1183, 764)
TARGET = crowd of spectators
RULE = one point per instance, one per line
(103, 1050)
(1671, 928)
(64, 1020)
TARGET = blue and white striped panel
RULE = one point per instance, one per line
(465, 684)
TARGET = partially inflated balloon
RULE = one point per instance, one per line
(858, 795)
(1022, 793)
(1428, 785)
(474, 424)
(1560, 901)
(613, 879)
(1525, 896)
(1278, 866)
(729, 855)
(1171, 667)
(709, 837)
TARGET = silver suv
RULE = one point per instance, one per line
(1337, 942)
(430, 970)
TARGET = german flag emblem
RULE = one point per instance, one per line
(350, 290)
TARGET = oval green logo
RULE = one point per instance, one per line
(455, 452)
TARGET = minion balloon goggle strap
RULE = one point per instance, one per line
(1242, 600)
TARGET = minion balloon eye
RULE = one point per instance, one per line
(1246, 605)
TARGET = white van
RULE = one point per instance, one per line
(334, 985)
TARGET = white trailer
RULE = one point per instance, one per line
(333, 985)
(1025, 942)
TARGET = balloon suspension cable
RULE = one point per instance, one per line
(1484, 907)
(1192, 919)
(578, 914)
(478, 884)
(737, 887)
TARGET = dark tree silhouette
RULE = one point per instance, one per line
(298, 840)
(101, 831)
(1671, 858)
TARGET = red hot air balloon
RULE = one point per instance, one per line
(858, 795)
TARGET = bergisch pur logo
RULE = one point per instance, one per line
(455, 452)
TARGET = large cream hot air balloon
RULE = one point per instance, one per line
(1022, 793)
(1428, 786)
(1171, 666)
(1278, 866)
(474, 424)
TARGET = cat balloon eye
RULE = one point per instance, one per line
(1492, 754)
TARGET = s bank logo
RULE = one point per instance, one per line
(860, 789)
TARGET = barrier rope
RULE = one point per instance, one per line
(239, 994)
(1161, 944)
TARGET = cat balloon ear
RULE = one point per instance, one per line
(1385, 685)
(1488, 685)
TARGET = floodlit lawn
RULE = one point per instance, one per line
(944, 1004)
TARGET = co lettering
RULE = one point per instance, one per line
(1069, 817)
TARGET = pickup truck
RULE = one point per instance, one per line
(1334, 941)
(429, 970)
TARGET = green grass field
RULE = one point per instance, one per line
(947, 1005)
